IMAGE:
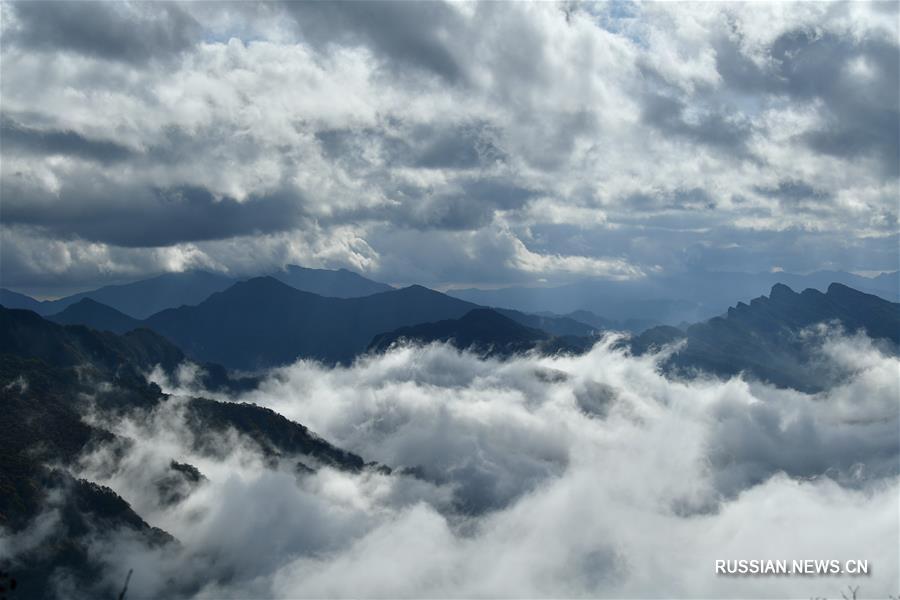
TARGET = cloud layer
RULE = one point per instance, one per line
(536, 477)
(609, 140)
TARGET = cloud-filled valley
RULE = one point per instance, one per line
(589, 475)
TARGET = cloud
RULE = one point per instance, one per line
(236, 121)
(102, 211)
(65, 143)
(128, 32)
(714, 129)
(534, 477)
(403, 34)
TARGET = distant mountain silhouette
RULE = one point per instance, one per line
(483, 331)
(690, 296)
(98, 316)
(764, 338)
(263, 322)
(11, 299)
(552, 324)
(604, 324)
(139, 299)
(335, 284)
(146, 297)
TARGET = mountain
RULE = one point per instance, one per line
(146, 297)
(669, 299)
(334, 284)
(552, 324)
(143, 298)
(604, 324)
(26, 334)
(139, 299)
(483, 331)
(263, 323)
(47, 371)
(766, 339)
(11, 299)
(95, 315)
(56, 363)
(101, 353)
(616, 301)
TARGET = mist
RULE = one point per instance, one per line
(565, 476)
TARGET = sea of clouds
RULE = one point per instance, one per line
(565, 476)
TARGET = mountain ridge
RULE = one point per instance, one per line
(765, 337)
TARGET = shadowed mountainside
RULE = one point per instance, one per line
(263, 323)
(770, 337)
(482, 331)
(96, 315)
(51, 376)
(140, 299)
(669, 299)
(333, 284)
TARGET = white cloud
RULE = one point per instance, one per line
(543, 477)
(360, 133)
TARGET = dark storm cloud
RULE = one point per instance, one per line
(401, 33)
(793, 190)
(419, 135)
(694, 199)
(459, 148)
(422, 145)
(796, 195)
(132, 216)
(20, 138)
(667, 114)
(858, 82)
(469, 204)
(701, 241)
(133, 33)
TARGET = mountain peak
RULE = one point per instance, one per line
(781, 292)
(97, 315)
(340, 283)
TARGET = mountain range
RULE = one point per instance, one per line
(141, 299)
(667, 299)
(263, 322)
(49, 370)
(773, 339)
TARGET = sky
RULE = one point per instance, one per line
(447, 144)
